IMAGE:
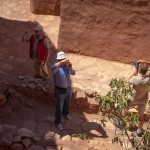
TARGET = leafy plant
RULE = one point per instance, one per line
(112, 106)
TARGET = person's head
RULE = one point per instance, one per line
(61, 56)
(38, 30)
(143, 68)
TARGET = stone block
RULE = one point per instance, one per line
(25, 133)
(26, 142)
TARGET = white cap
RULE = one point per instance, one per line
(38, 27)
(61, 55)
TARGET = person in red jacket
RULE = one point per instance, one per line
(39, 51)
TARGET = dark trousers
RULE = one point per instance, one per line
(62, 103)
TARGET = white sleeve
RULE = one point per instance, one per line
(132, 80)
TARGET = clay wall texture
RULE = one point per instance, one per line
(110, 29)
(45, 7)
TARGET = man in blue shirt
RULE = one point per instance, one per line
(62, 71)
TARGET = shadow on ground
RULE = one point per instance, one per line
(35, 110)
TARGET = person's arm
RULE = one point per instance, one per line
(57, 65)
(47, 46)
(48, 53)
(72, 71)
(61, 63)
(69, 66)
(26, 37)
(134, 74)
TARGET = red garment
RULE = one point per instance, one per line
(42, 51)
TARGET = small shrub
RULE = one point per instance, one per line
(117, 99)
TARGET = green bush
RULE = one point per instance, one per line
(111, 106)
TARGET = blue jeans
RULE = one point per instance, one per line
(62, 104)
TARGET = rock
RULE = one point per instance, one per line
(80, 96)
(43, 128)
(35, 147)
(17, 146)
(17, 139)
(86, 103)
(30, 124)
(38, 80)
(36, 138)
(24, 85)
(25, 133)
(89, 93)
(21, 77)
(7, 133)
(49, 135)
(57, 136)
(66, 138)
(31, 86)
(47, 86)
(39, 87)
(44, 89)
(2, 100)
(26, 81)
(31, 80)
(75, 139)
(26, 142)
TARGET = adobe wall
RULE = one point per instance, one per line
(110, 29)
(45, 7)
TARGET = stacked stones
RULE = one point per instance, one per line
(86, 100)
(83, 99)
(18, 139)
(35, 84)
(24, 139)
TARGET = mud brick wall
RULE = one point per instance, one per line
(110, 29)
